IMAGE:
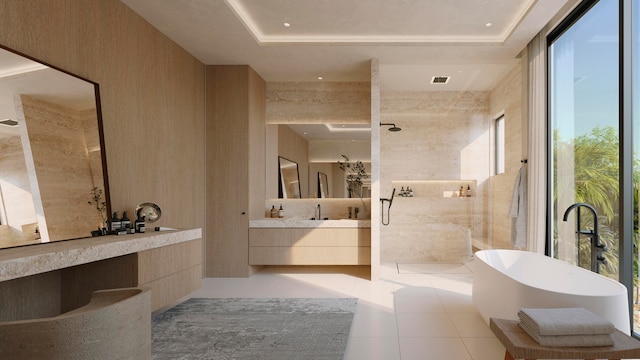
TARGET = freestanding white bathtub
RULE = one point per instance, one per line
(507, 280)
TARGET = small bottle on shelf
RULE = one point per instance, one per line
(125, 222)
(462, 192)
(115, 223)
(468, 190)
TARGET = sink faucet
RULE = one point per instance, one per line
(319, 212)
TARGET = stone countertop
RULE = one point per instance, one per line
(34, 259)
(307, 223)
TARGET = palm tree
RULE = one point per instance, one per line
(595, 181)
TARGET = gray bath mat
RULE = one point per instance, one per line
(228, 329)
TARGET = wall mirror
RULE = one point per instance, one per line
(288, 178)
(53, 183)
(323, 185)
(319, 147)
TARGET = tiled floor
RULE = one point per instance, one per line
(408, 315)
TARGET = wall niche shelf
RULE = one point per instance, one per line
(435, 188)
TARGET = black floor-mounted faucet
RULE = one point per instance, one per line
(596, 247)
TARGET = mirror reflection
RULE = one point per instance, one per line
(289, 179)
(318, 148)
(52, 183)
(323, 185)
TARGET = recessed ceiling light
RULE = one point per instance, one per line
(286, 24)
(488, 24)
(320, 78)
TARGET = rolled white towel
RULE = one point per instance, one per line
(564, 321)
(569, 340)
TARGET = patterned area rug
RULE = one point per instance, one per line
(240, 329)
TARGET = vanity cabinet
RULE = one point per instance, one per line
(310, 246)
(49, 279)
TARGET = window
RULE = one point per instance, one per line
(499, 145)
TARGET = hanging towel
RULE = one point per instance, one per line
(518, 210)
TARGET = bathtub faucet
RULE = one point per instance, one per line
(596, 248)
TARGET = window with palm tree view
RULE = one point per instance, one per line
(584, 75)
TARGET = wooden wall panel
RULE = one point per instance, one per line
(227, 170)
(152, 97)
(235, 165)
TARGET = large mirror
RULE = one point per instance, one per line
(289, 179)
(53, 183)
(318, 148)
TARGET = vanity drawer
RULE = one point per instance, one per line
(310, 237)
(310, 246)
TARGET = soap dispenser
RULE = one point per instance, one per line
(125, 222)
(468, 190)
(140, 225)
(281, 212)
(115, 223)
(274, 212)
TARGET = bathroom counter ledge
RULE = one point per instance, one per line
(30, 260)
(307, 223)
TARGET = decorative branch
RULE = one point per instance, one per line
(355, 173)
(99, 202)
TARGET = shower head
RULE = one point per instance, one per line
(392, 128)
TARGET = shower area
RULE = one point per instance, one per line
(445, 157)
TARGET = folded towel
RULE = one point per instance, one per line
(569, 340)
(565, 321)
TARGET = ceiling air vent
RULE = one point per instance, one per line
(8, 122)
(439, 79)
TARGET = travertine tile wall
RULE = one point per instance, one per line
(318, 102)
(444, 138)
(506, 99)
(15, 189)
(447, 140)
(60, 156)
